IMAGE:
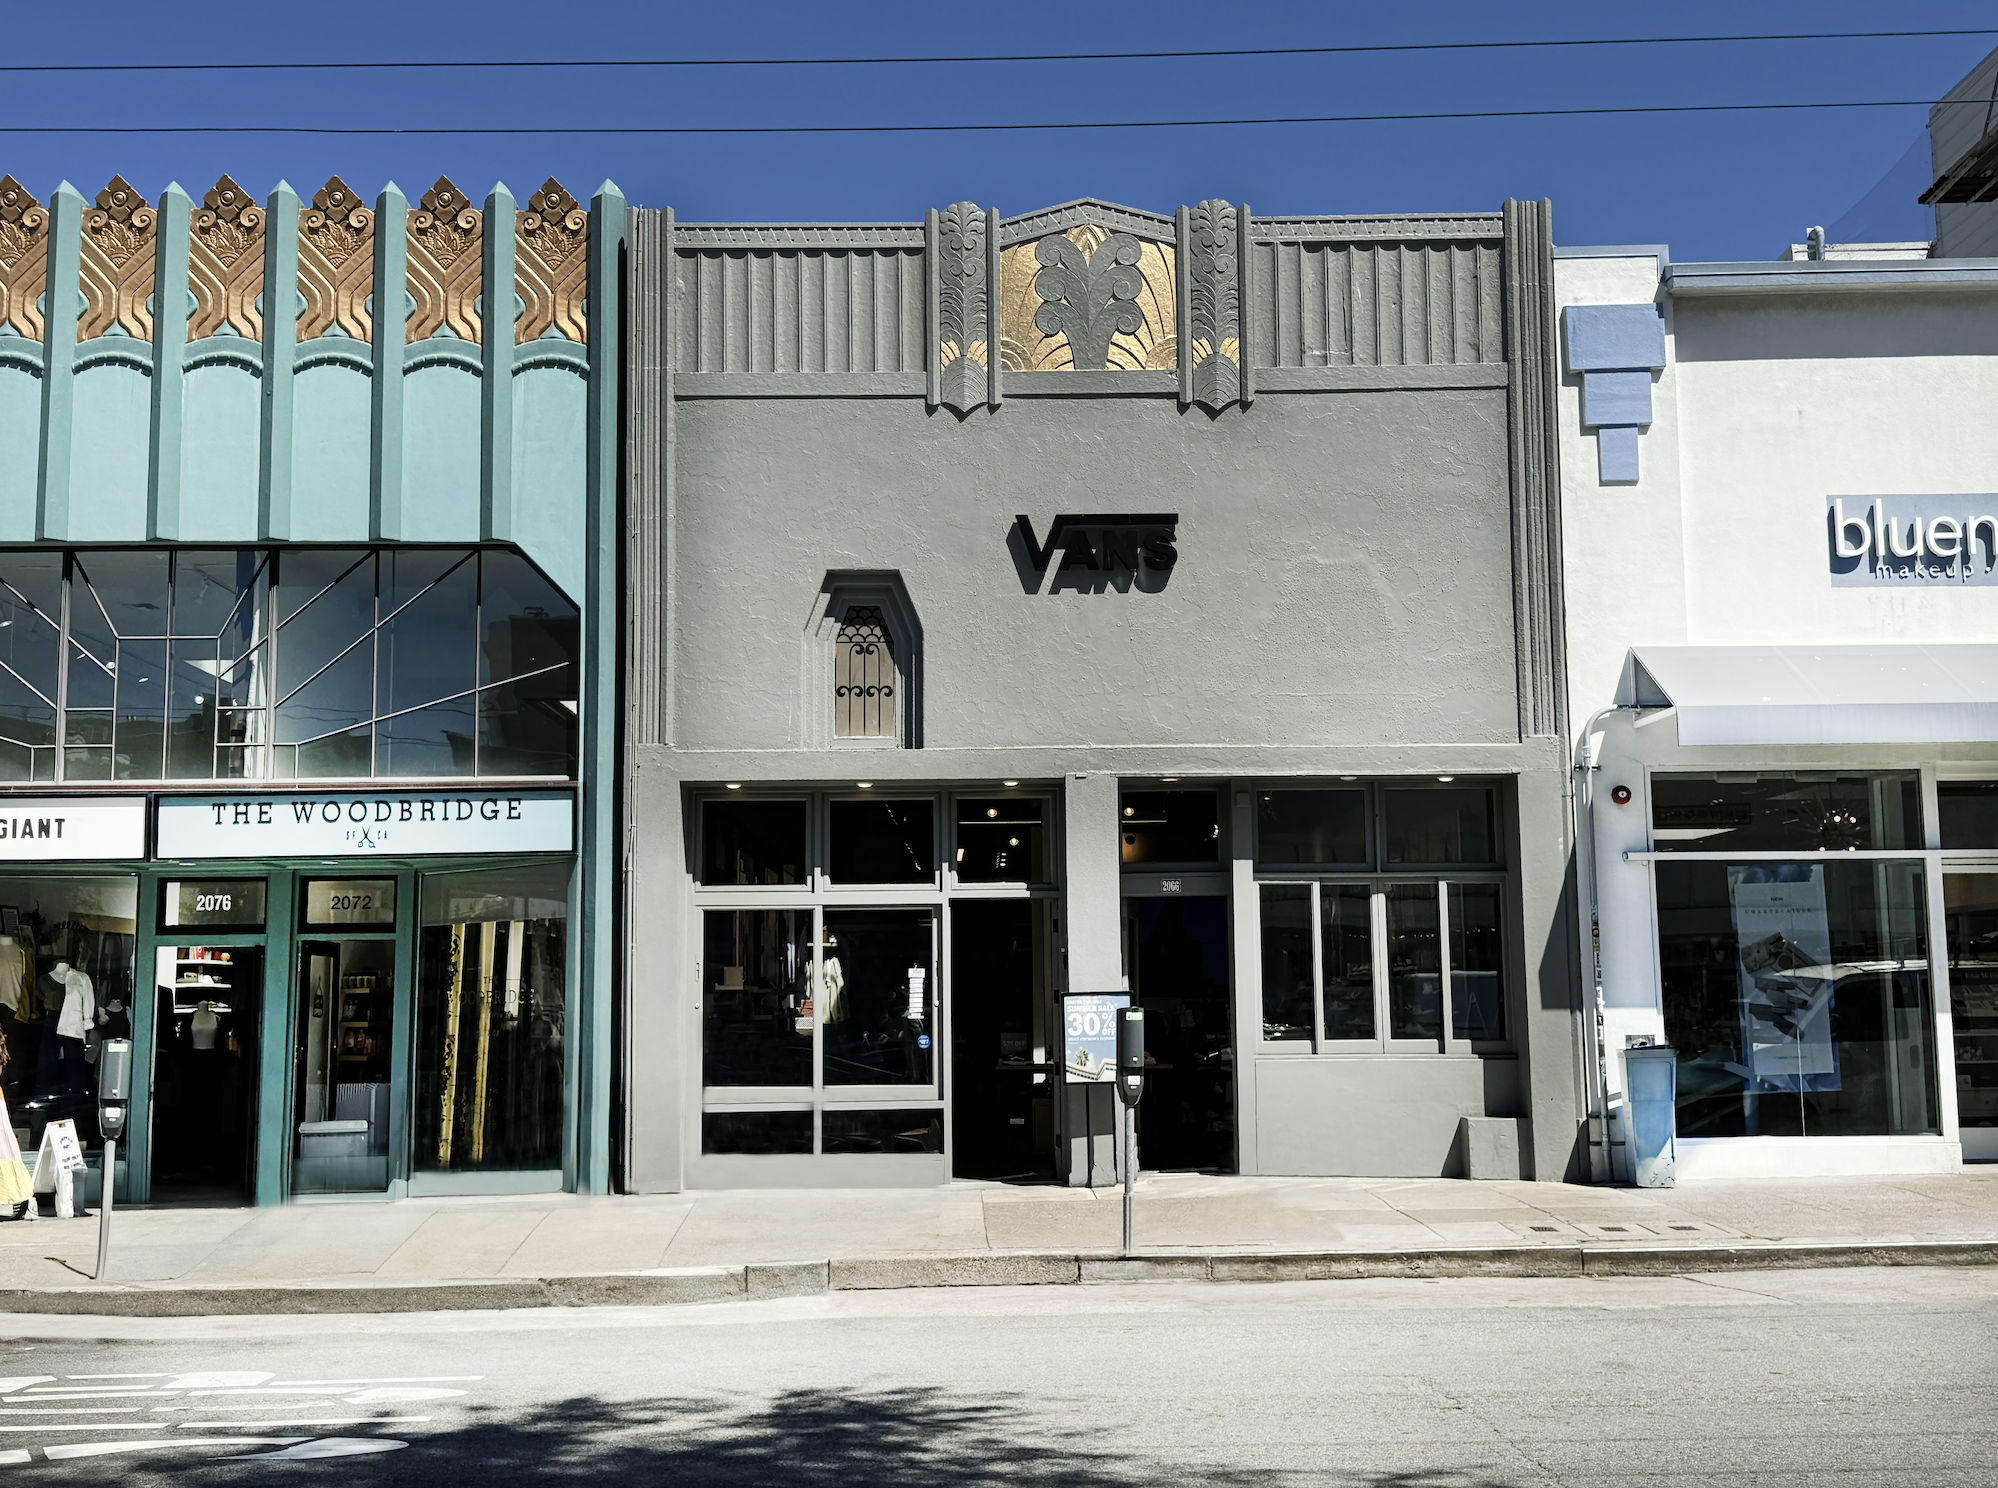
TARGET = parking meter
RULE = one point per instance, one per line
(114, 1097)
(114, 1082)
(1130, 1054)
(1130, 1086)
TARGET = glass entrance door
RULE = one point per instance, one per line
(1176, 956)
(1970, 913)
(345, 989)
(207, 1031)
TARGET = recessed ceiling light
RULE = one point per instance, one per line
(1168, 779)
(1349, 777)
(1446, 779)
(1009, 782)
(732, 785)
(991, 810)
(865, 784)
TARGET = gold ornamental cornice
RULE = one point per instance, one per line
(446, 236)
(225, 263)
(553, 265)
(336, 263)
(24, 258)
(117, 263)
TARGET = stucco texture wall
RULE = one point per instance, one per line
(1344, 573)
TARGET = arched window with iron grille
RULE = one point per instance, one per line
(866, 681)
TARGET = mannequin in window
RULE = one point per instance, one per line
(62, 1076)
(17, 1188)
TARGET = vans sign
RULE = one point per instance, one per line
(1896, 541)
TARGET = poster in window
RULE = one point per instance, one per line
(1785, 975)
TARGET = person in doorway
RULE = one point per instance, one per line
(17, 1188)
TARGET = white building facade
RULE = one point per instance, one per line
(1781, 565)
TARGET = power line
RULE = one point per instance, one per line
(752, 129)
(677, 62)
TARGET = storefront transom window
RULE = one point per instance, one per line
(308, 663)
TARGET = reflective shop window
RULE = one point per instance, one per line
(757, 1007)
(883, 842)
(883, 1131)
(1798, 998)
(1441, 825)
(1415, 962)
(1970, 911)
(491, 1019)
(198, 664)
(1003, 840)
(1346, 958)
(1325, 827)
(877, 995)
(1967, 813)
(1289, 986)
(752, 842)
(66, 984)
(1801, 812)
(1477, 961)
(756, 1132)
(1170, 826)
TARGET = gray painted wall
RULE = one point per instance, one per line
(1364, 561)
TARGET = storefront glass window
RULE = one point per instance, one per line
(1002, 841)
(1346, 937)
(756, 1132)
(1967, 812)
(752, 842)
(1444, 825)
(1170, 826)
(883, 842)
(1970, 904)
(1311, 827)
(1477, 1003)
(1287, 980)
(30, 660)
(1797, 995)
(197, 664)
(1785, 813)
(877, 996)
(66, 985)
(491, 1019)
(756, 998)
(1415, 963)
(883, 1131)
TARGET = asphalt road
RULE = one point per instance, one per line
(1828, 1378)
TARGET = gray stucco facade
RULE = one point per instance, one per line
(1342, 427)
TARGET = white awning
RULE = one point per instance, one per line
(1820, 694)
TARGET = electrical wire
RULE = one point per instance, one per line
(24, 68)
(462, 130)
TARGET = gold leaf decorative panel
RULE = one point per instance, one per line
(24, 257)
(336, 263)
(446, 243)
(225, 263)
(1024, 347)
(119, 237)
(552, 265)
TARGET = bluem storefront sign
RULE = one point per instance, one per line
(338, 824)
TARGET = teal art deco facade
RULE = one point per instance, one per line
(307, 526)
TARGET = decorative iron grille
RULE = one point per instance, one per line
(864, 676)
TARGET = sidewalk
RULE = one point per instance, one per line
(519, 1251)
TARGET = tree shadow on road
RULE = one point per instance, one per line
(839, 1438)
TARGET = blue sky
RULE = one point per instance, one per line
(1717, 186)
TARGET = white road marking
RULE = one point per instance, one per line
(304, 1421)
(391, 1379)
(80, 1410)
(86, 1426)
(326, 1446)
(167, 1375)
(100, 1449)
(13, 1456)
(18, 1382)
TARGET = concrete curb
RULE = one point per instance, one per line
(669, 1287)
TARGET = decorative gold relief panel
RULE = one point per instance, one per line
(336, 263)
(552, 264)
(119, 235)
(1025, 347)
(446, 238)
(24, 258)
(225, 263)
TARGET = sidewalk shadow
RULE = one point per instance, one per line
(910, 1437)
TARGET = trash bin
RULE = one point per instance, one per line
(1651, 1087)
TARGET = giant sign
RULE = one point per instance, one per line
(348, 824)
(46, 829)
(1897, 541)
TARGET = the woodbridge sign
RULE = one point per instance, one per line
(1901, 540)
(344, 824)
